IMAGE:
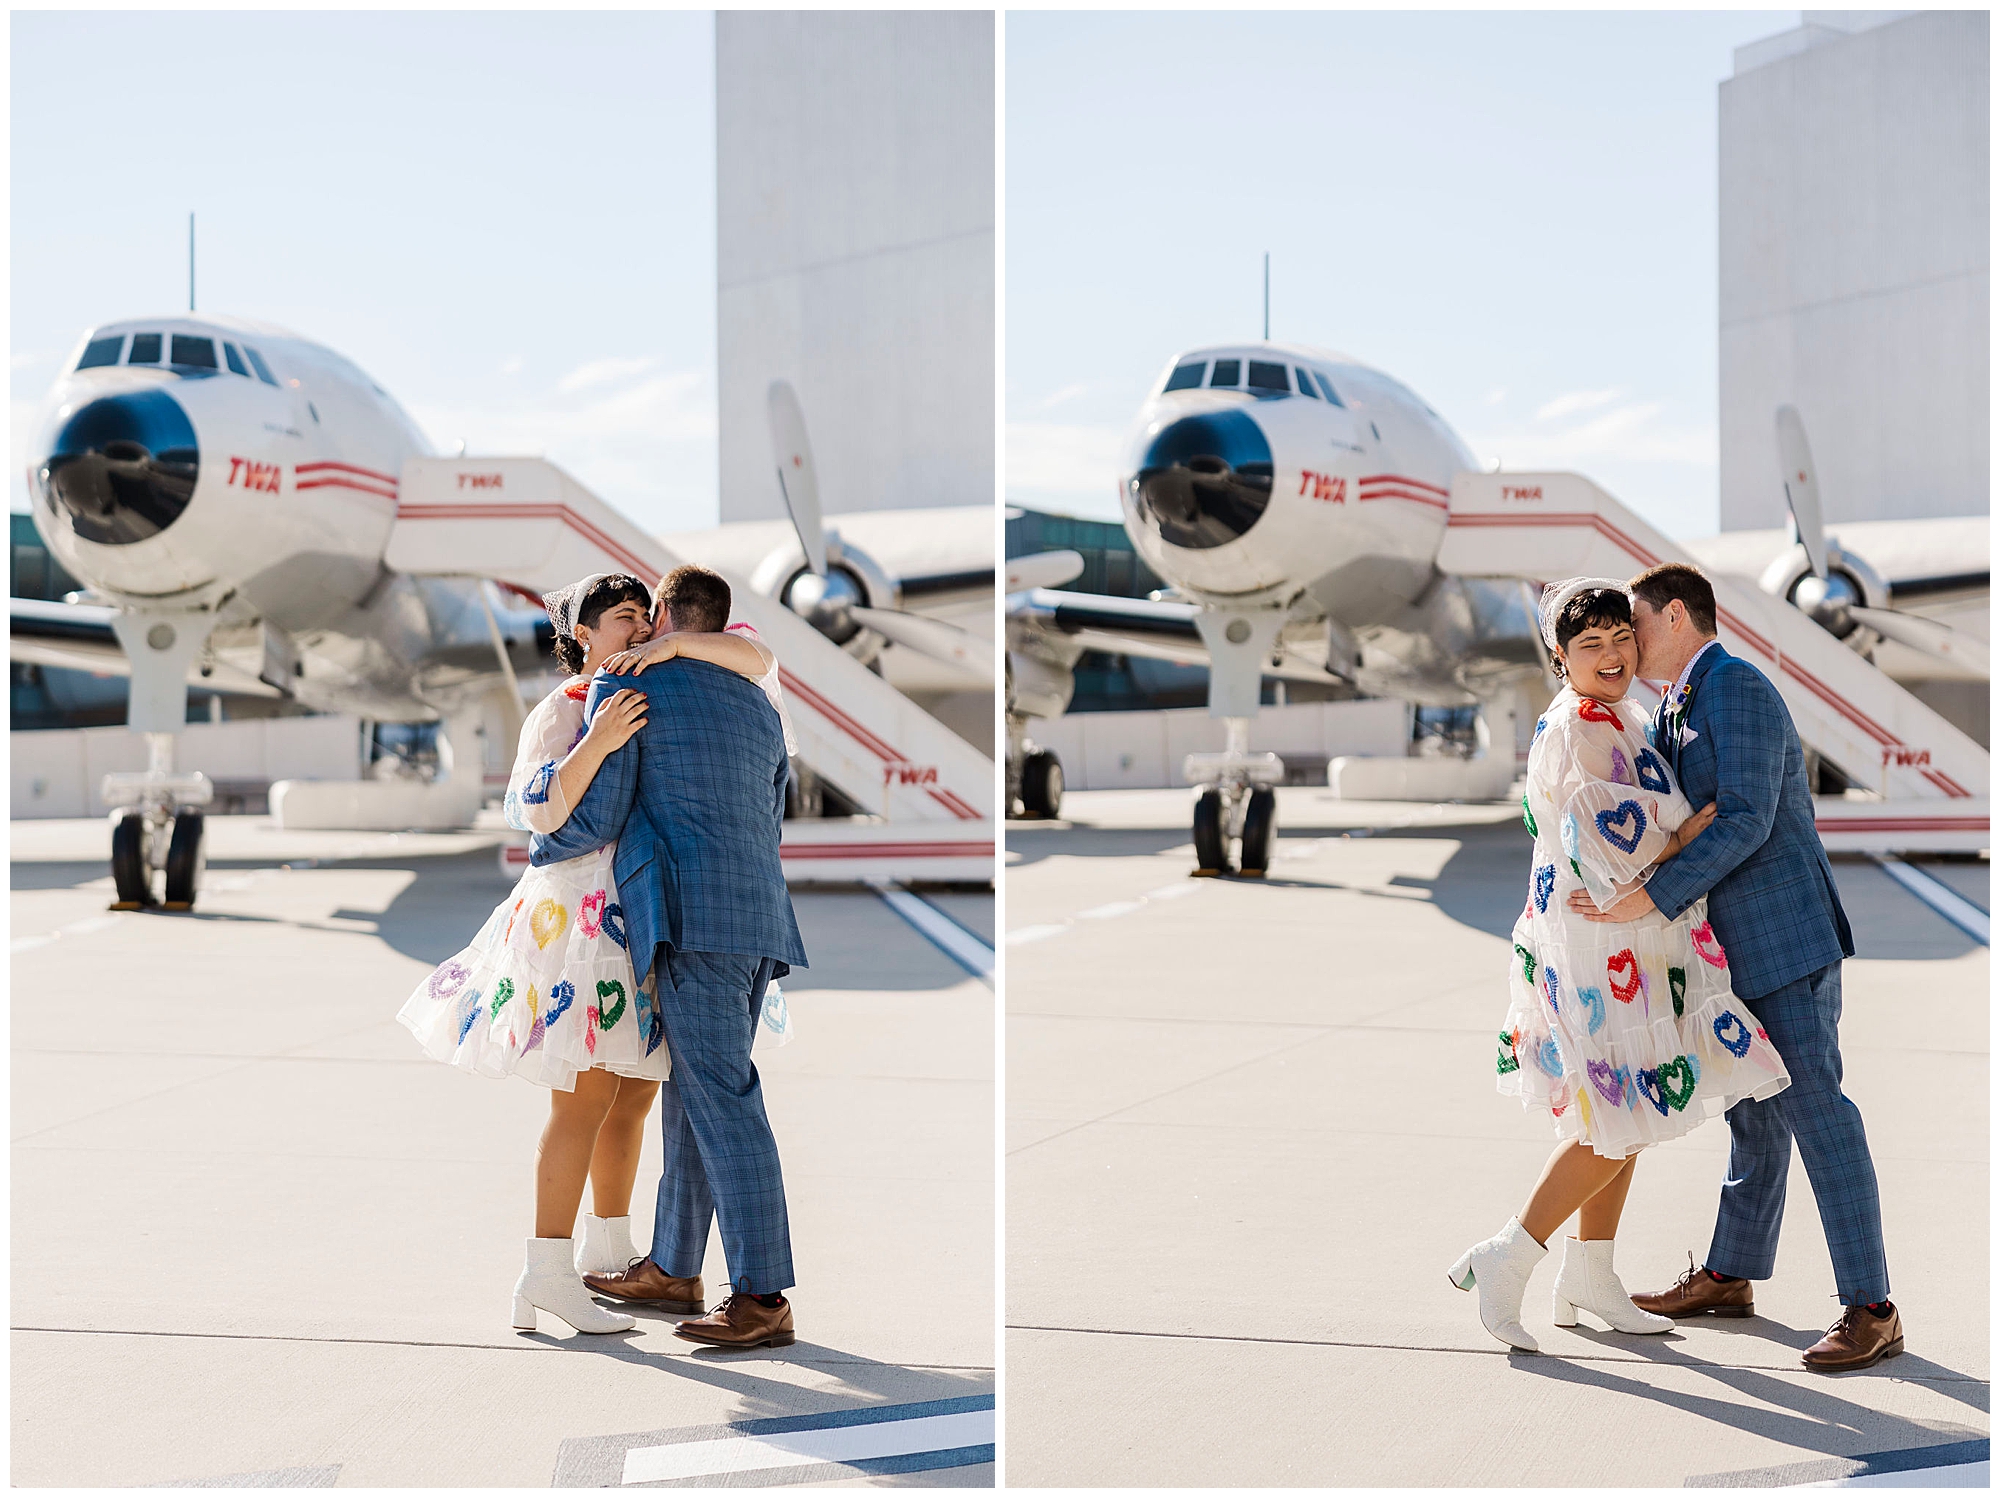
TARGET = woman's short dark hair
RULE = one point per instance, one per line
(1599, 608)
(605, 593)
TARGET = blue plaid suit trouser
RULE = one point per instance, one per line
(1803, 1021)
(720, 1159)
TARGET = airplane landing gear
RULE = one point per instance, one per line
(1234, 802)
(162, 830)
(1042, 784)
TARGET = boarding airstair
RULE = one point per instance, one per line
(1922, 784)
(928, 794)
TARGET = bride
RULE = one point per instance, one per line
(1625, 1035)
(545, 991)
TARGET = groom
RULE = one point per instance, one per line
(1771, 899)
(694, 801)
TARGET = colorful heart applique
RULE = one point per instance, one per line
(502, 992)
(1609, 1082)
(1541, 724)
(474, 1006)
(536, 1036)
(1527, 961)
(1738, 1044)
(1677, 985)
(1623, 814)
(1707, 947)
(1559, 1101)
(1508, 1060)
(560, 998)
(1592, 1000)
(1576, 871)
(1648, 1083)
(590, 912)
(1551, 984)
(1621, 769)
(1528, 818)
(1545, 885)
(590, 1023)
(1677, 1096)
(1593, 711)
(1653, 774)
(546, 922)
(614, 925)
(608, 1017)
(536, 791)
(447, 981)
(510, 920)
(1625, 992)
(1548, 1057)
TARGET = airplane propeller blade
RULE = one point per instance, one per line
(1043, 569)
(1928, 636)
(933, 638)
(798, 480)
(1802, 487)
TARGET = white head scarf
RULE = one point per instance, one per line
(1556, 596)
(564, 603)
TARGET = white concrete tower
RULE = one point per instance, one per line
(855, 252)
(1854, 283)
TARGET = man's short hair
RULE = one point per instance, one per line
(1661, 585)
(697, 600)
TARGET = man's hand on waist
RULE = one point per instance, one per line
(1631, 908)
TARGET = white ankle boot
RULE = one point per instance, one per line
(1500, 1268)
(548, 1282)
(606, 1245)
(1587, 1282)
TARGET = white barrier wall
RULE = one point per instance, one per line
(56, 773)
(1143, 750)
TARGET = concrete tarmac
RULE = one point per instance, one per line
(259, 1239)
(1250, 1124)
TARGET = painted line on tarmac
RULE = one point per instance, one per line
(1940, 896)
(869, 1440)
(1022, 935)
(967, 948)
(1955, 1464)
(74, 928)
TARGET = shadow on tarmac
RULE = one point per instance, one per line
(1810, 1417)
(1482, 884)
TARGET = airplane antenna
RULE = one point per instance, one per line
(190, 262)
(1267, 296)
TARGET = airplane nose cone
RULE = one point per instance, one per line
(1205, 479)
(123, 467)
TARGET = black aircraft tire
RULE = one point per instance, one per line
(1260, 830)
(1042, 784)
(187, 858)
(1211, 834)
(128, 858)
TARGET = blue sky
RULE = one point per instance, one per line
(1512, 213)
(508, 219)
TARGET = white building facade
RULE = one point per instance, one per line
(1853, 211)
(855, 253)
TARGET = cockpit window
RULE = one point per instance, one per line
(1186, 376)
(235, 360)
(145, 349)
(1227, 375)
(101, 351)
(257, 363)
(1269, 377)
(195, 353)
(1306, 386)
(1331, 393)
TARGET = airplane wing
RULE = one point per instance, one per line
(78, 637)
(1134, 626)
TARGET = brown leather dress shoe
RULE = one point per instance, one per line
(741, 1321)
(645, 1283)
(1860, 1339)
(1696, 1293)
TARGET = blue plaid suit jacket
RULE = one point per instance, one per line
(695, 801)
(1771, 896)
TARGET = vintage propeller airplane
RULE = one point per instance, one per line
(248, 510)
(1316, 520)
